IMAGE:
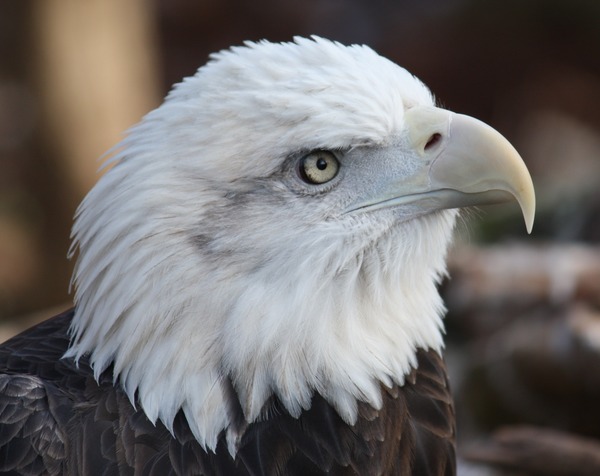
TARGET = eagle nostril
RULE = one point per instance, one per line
(433, 140)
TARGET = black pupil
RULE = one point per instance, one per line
(321, 164)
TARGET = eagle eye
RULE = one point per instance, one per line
(318, 167)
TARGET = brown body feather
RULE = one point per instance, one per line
(56, 419)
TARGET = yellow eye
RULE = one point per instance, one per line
(319, 167)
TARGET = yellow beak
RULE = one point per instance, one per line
(471, 159)
(451, 161)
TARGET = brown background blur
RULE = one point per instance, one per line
(524, 321)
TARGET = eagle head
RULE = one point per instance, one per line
(278, 226)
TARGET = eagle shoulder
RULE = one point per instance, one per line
(33, 439)
(56, 419)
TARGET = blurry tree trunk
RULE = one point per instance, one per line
(97, 76)
(90, 66)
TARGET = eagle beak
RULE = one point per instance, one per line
(468, 162)
(460, 162)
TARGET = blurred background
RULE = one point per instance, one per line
(524, 320)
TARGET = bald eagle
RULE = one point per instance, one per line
(256, 279)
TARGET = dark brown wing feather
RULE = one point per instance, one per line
(56, 419)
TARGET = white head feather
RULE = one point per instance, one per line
(201, 259)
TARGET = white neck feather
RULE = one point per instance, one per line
(330, 316)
